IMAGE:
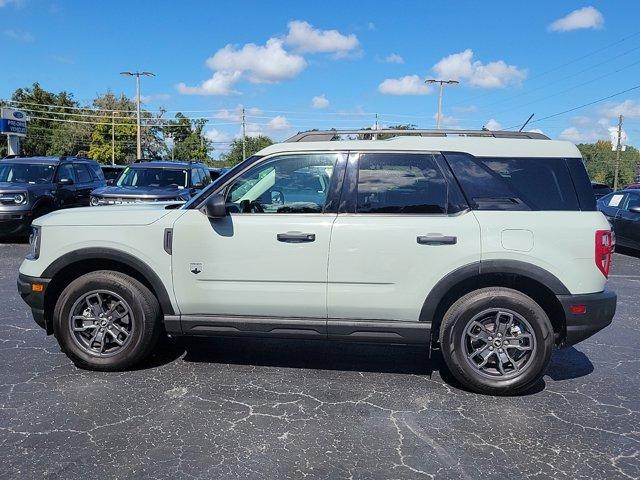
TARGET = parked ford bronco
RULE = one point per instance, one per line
(154, 181)
(34, 186)
(485, 245)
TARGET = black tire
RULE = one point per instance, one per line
(455, 341)
(144, 317)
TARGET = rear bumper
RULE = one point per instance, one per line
(34, 299)
(600, 309)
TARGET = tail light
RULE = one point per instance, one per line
(604, 251)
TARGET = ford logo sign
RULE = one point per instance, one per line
(18, 114)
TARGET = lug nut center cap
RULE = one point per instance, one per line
(497, 342)
(103, 323)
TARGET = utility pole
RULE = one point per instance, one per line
(376, 127)
(442, 83)
(113, 138)
(244, 136)
(138, 75)
(618, 148)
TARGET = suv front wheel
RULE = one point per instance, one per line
(106, 320)
(496, 341)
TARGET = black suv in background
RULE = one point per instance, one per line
(111, 172)
(34, 186)
(154, 181)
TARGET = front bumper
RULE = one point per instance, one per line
(599, 311)
(35, 299)
(15, 222)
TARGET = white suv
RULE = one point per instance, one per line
(485, 245)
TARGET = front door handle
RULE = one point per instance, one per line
(437, 240)
(296, 237)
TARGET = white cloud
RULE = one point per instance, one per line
(587, 17)
(4, 3)
(460, 66)
(536, 130)
(447, 121)
(628, 108)
(19, 35)
(235, 115)
(269, 63)
(159, 97)
(217, 136)
(279, 123)
(221, 83)
(394, 58)
(319, 101)
(303, 36)
(407, 85)
(493, 124)
(587, 130)
(467, 109)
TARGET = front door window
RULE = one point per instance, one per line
(286, 184)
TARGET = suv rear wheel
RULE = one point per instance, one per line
(106, 320)
(496, 341)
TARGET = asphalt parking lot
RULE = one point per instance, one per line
(285, 409)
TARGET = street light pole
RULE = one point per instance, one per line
(138, 75)
(442, 83)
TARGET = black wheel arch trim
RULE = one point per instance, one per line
(476, 269)
(101, 253)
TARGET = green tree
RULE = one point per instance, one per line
(189, 140)
(600, 162)
(253, 145)
(46, 110)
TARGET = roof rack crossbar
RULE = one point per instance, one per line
(326, 135)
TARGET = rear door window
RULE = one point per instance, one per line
(83, 174)
(400, 183)
(515, 183)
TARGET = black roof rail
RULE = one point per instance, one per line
(328, 135)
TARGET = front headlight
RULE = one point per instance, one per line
(19, 198)
(34, 243)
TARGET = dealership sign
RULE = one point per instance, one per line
(13, 122)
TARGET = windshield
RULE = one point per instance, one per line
(26, 172)
(152, 177)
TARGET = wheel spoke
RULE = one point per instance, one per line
(116, 335)
(482, 334)
(485, 355)
(87, 323)
(516, 342)
(511, 361)
(503, 327)
(118, 310)
(478, 351)
(94, 302)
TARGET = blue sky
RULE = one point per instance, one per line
(512, 59)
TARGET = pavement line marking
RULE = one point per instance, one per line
(624, 276)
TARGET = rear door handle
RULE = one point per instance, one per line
(296, 237)
(437, 240)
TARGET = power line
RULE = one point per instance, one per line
(581, 106)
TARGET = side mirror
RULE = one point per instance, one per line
(65, 181)
(215, 206)
(635, 209)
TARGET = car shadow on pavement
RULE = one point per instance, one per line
(566, 364)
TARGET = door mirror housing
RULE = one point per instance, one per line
(635, 209)
(215, 206)
(65, 181)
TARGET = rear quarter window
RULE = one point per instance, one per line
(492, 183)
